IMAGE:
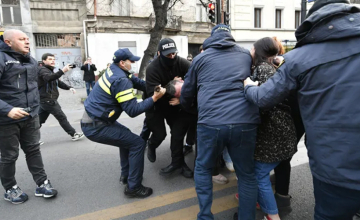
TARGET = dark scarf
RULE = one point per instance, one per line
(168, 62)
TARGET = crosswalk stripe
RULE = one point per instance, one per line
(147, 204)
(219, 205)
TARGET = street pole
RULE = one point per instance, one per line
(218, 11)
(303, 10)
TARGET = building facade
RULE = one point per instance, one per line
(255, 19)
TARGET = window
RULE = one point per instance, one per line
(57, 40)
(10, 12)
(201, 14)
(297, 19)
(278, 18)
(257, 18)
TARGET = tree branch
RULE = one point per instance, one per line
(174, 4)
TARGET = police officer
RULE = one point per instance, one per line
(113, 94)
(167, 66)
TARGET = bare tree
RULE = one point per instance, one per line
(161, 8)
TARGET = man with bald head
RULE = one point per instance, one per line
(19, 120)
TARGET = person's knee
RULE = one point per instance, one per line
(9, 157)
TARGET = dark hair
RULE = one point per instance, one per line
(46, 55)
(264, 48)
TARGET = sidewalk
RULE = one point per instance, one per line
(70, 101)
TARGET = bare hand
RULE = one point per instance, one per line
(159, 94)
(278, 60)
(249, 82)
(73, 90)
(85, 62)
(174, 101)
(66, 68)
(178, 78)
(17, 113)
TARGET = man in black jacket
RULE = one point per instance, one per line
(161, 71)
(19, 121)
(48, 84)
(89, 75)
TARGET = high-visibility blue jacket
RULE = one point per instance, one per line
(114, 93)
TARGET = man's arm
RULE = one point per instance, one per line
(122, 91)
(93, 67)
(48, 76)
(83, 67)
(63, 85)
(189, 89)
(273, 91)
(138, 83)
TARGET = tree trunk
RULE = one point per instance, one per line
(155, 33)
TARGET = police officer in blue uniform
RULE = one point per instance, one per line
(113, 94)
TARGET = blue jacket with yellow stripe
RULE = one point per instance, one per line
(114, 93)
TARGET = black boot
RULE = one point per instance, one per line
(186, 171)
(140, 192)
(282, 201)
(123, 179)
(166, 171)
(151, 153)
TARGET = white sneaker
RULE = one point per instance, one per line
(77, 136)
(230, 166)
(220, 179)
(41, 142)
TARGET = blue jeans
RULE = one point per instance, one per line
(240, 141)
(266, 197)
(88, 85)
(334, 202)
(131, 146)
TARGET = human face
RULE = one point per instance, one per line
(126, 65)
(50, 61)
(19, 43)
(171, 55)
(252, 52)
(89, 60)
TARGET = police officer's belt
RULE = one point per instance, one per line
(87, 121)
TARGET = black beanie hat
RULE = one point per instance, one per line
(321, 3)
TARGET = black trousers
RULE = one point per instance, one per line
(53, 107)
(191, 134)
(26, 133)
(283, 170)
(178, 122)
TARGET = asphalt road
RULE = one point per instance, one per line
(86, 174)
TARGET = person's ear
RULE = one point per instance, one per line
(8, 42)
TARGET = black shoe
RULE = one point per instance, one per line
(123, 179)
(235, 216)
(151, 154)
(187, 149)
(282, 201)
(186, 171)
(166, 171)
(140, 192)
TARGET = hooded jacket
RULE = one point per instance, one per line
(18, 83)
(158, 73)
(324, 68)
(48, 83)
(215, 79)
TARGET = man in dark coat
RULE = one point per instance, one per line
(48, 83)
(89, 75)
(19, 120)
(167, 66)
(225, 118)
(324, 69)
